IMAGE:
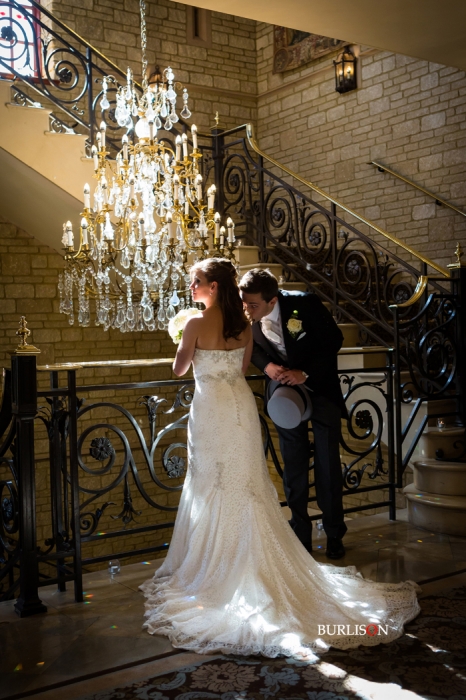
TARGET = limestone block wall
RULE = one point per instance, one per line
(407, 113)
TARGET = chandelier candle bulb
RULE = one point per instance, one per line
(124, 141)
(102, 133)
(186, 207)
(199, 187)
(222, 236)
(184, 140)
(217, 225)
(231, 230)
(69, 231)
(176, 187)
(95, 158)
(170, 225)
(211, 197)
(194, 135)
(84, 231)
(87, 196)
(178, 148)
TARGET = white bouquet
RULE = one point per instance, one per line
(177, 323)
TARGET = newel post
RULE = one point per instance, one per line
(24, 408)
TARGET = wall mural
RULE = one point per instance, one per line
(294, 48)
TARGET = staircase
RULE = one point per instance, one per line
(45, 169)
(437, 497)
(302, 234)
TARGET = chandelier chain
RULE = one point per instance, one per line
(144, 62)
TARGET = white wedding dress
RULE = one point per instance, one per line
(236, 578)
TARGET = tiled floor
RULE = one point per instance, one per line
(73, 640)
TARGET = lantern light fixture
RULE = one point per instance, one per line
(345, 71)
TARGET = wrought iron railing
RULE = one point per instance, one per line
(353, 265)
(116, 468)
(309, 233)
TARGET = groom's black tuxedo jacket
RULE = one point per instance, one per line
(315, 353)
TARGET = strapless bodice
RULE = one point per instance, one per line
(221, 364)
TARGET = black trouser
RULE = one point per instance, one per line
(295, 449)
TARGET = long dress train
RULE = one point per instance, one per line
(236, 578)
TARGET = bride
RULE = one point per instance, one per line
(236, 578)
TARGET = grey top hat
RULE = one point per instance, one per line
(288, 406)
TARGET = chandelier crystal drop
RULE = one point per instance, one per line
(147, 220)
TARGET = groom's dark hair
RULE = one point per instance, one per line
(261, 282)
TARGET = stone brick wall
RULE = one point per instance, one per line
(407, 113)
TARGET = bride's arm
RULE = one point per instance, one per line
(186, 348)
(248, 353)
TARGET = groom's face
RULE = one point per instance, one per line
(256, 307)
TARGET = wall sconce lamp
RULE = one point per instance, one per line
(345, 71)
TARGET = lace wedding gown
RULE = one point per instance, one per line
(236, 578)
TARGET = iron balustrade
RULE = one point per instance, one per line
(358, 273)
(112, 464)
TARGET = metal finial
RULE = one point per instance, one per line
(23, 332)
(459, 254)
(217, 119)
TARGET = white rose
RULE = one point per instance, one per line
(294, 325)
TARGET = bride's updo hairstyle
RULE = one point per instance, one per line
(223, 272)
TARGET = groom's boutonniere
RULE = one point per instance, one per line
(295, 326)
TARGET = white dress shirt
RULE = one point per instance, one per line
(272, 329)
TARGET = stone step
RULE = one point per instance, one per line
(293, 286)
(247, 254)
(350, 334)
(273, 267)
(436, 512)
(354, 357)
(433, 439)
(435, 476)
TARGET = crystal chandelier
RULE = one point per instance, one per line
(149, 219)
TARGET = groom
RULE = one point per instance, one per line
(307, 357)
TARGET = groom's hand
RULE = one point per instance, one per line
(292, 377)
(274, 371)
